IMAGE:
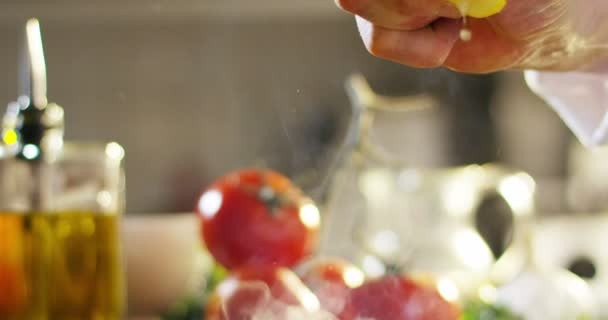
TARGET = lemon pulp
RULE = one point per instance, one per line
(479, 8)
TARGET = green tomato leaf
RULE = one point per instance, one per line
(483, 311)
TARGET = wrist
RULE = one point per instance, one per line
(578, 43)
(593, 27)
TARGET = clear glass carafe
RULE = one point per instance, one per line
(467, 224)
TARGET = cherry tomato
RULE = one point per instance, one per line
(257, 219)
(397, 298)
(331, 280)
(248, 292)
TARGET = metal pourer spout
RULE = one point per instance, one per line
(32, 125)
(32, 68)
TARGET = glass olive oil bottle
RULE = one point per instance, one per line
(60, 208)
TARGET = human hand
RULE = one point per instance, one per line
(526, 34)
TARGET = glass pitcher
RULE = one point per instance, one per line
(468, 223)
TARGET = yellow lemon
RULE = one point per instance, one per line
(479, 8)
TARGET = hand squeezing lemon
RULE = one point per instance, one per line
(507, 35)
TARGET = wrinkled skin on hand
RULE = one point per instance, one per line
(526, 34)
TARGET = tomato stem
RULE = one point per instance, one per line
(270, 198)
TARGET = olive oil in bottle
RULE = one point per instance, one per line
(60, 266)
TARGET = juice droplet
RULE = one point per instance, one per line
(466, 34)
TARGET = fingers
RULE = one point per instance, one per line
(428, 47)
(400, 14)
(411, 32)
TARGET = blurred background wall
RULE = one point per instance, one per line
(195, 88)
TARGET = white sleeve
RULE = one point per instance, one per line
(580, 99)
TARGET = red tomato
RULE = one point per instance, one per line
(257, 219)
(397, 298)
(250, 292)
(331, 280)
